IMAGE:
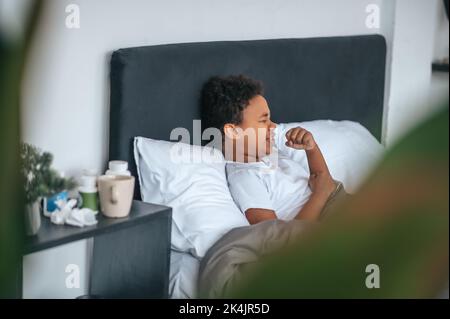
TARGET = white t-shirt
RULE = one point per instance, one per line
(277, 183)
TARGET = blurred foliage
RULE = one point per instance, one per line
(39, 179)
(399, 221)
(12, 57)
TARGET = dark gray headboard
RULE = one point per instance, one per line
(155, 89)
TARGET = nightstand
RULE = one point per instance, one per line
(131, 255)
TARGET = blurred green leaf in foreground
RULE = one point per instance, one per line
(398, 221)
(13, 51)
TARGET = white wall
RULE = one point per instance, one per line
(66, 87)
(415, 31)
(65, 92)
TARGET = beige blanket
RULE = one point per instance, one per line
(231, 257)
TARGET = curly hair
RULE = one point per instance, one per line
(224, 98)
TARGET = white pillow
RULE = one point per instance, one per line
(191, 179)
(348, 148)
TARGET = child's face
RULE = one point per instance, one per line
(257, 128)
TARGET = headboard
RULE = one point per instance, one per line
(155, 89)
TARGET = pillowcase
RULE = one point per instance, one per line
(191, 179)
(349, 149)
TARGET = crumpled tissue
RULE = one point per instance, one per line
(67, 214)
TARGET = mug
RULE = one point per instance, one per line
(116, 195)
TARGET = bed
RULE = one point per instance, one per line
(154, 89)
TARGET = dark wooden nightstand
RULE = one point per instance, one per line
(131, 255)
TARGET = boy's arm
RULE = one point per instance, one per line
(321, 183)
(313, 208)
(256, 215)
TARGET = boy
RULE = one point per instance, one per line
(264, 185)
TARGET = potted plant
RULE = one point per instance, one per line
(40, 181)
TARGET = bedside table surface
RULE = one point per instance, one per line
(51, 235)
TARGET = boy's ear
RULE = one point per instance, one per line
(230, 131)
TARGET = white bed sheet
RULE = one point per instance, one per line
(183, 275)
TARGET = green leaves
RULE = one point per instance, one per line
(12, 58)
(39, 179)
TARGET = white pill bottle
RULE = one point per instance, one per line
(118, 168)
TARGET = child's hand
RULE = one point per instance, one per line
(300, 139)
